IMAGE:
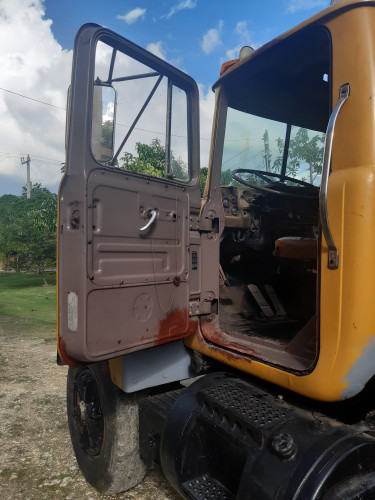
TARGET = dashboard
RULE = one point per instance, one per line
(258, 218)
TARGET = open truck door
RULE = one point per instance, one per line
(128, 257)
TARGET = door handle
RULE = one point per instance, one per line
(153, 214)
(333, 256)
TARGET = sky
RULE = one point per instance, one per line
(36, 42)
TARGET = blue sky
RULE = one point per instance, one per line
(36, 41)
(180, 27)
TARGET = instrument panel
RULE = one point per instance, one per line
(236, 208)
(246, 208)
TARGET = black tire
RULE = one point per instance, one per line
(359, 487)
(103, 424)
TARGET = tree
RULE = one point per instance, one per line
(302, 150)
(150, 160)
(107, 134)
(226, 178)
(9, 226)
(28, 229)
(202, 179)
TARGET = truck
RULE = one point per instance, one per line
(228, 338)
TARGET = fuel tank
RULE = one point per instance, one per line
(224, 438)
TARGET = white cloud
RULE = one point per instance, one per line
(157, 49)
(296, 5)
(233, 53)
(211, 39)
(133, 15)
(245, 37)
(206, 110)
(32, 63)
(185, 4)
(109, 112)
(242, 30)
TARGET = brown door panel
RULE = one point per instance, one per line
(118, 252)
(121, 289)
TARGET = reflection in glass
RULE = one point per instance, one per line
(103, 123)
(253, 142)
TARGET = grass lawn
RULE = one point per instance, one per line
(28, 307)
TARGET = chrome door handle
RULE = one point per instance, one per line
(333, 256)
(153, 214)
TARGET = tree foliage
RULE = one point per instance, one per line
(150, 160)
(202, 179)
(28, 229)
(302, 151)
(107, 134)
(226, 178)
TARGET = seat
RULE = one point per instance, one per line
(296, 247)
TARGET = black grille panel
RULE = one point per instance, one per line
(206, 488)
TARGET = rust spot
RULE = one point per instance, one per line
(63, 355)
(219, 337)
(177, 324)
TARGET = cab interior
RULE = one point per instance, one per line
(278, 105)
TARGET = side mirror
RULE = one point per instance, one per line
(103, 122)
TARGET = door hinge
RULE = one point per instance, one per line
(206, 304)
(205, 225)
(208, 225)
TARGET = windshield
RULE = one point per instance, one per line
(253, 142)
(278, 106)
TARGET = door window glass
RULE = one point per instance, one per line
(143, 127)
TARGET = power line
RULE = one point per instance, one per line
(46, 158)
(3, 154)
(258, 157)
(121, 124)
(238, 154)
(32, 99)
(46, 162)
(64, 109)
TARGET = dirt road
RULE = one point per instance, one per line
(36, 457)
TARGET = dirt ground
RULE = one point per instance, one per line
(36, 457)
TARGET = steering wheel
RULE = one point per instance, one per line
(286, 190)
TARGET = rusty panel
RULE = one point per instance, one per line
(129, 318)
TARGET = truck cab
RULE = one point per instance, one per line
(265, 274)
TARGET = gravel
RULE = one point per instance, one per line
(36, 456)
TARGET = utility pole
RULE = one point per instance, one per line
(27, 161)
(267, 155)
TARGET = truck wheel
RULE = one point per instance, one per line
(359, 487)
(103, 424)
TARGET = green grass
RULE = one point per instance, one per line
(26, 306)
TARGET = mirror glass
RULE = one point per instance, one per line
(103, 119)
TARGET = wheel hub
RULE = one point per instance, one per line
(88, 412)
